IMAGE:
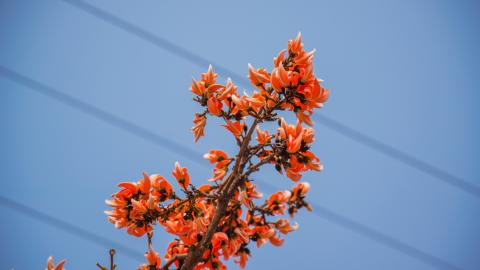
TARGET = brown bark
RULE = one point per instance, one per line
(228, 190)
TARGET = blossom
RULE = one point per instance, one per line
(181, 174)
(276, 201)
(236, 128)
(263, 137)
(198, 128)
(228, 90)
(300, 190)
(153, 258)
(258, 77)
(295, 45)
(239, 105)
(284, 226)
(214, 106)
(215, 156)
(51, 265)
(162, 189)
(209, 77)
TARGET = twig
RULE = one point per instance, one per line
(172, 260)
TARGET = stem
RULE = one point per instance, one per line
(195, 253)
(112, 254)
(172, 260)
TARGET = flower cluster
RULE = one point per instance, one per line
(218, 221)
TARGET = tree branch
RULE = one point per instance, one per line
(172, 260)
(226, 193)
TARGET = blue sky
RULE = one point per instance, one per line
(402, 72)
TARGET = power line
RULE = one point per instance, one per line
(398, 155)
(70, 228)
(194, 156)
(338, 127)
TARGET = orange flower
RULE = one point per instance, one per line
(243, 258)
(218, 174)
(276, 241)
(293, 172)
(228, 90)
(240, 105)
(276, 201)
(215, 156)
(294, 143)
(153, 258)
(219, 239)
(284, 226)
(279, 59)
(313, 162)
(257, 100)
(236, 128)
(209, 76)
(315, 94)
(304, 58)
(162, 189)
(304, 118)
(198, 128)
(51, 265)
(285, 130)
(214, 106)
(263, 137)
(181, 174)
(295, 45)
(300, 190)
(258, 77)
(198, 88)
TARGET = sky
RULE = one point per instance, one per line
(93, 93)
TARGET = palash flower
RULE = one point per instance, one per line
(313, 162)
(51, 265)
(239, 104)
(259, 100)
(220, 241)
(276, 201)
(264, 234)
(300, 190)
(209, 77)
(258, 77)
(305, 117)
(162, 189)
(181, 174)
(315, 95)
(198, 87)
(295, 45)
(294, 143)
(214, 106)
(294, 171)
(227, 91)
(243, 258)
(215, 156)
(284, 226)
(207, 85)
(279, 59)
(198, 128)
(154, 260)
(263, 137)
(236, 128)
